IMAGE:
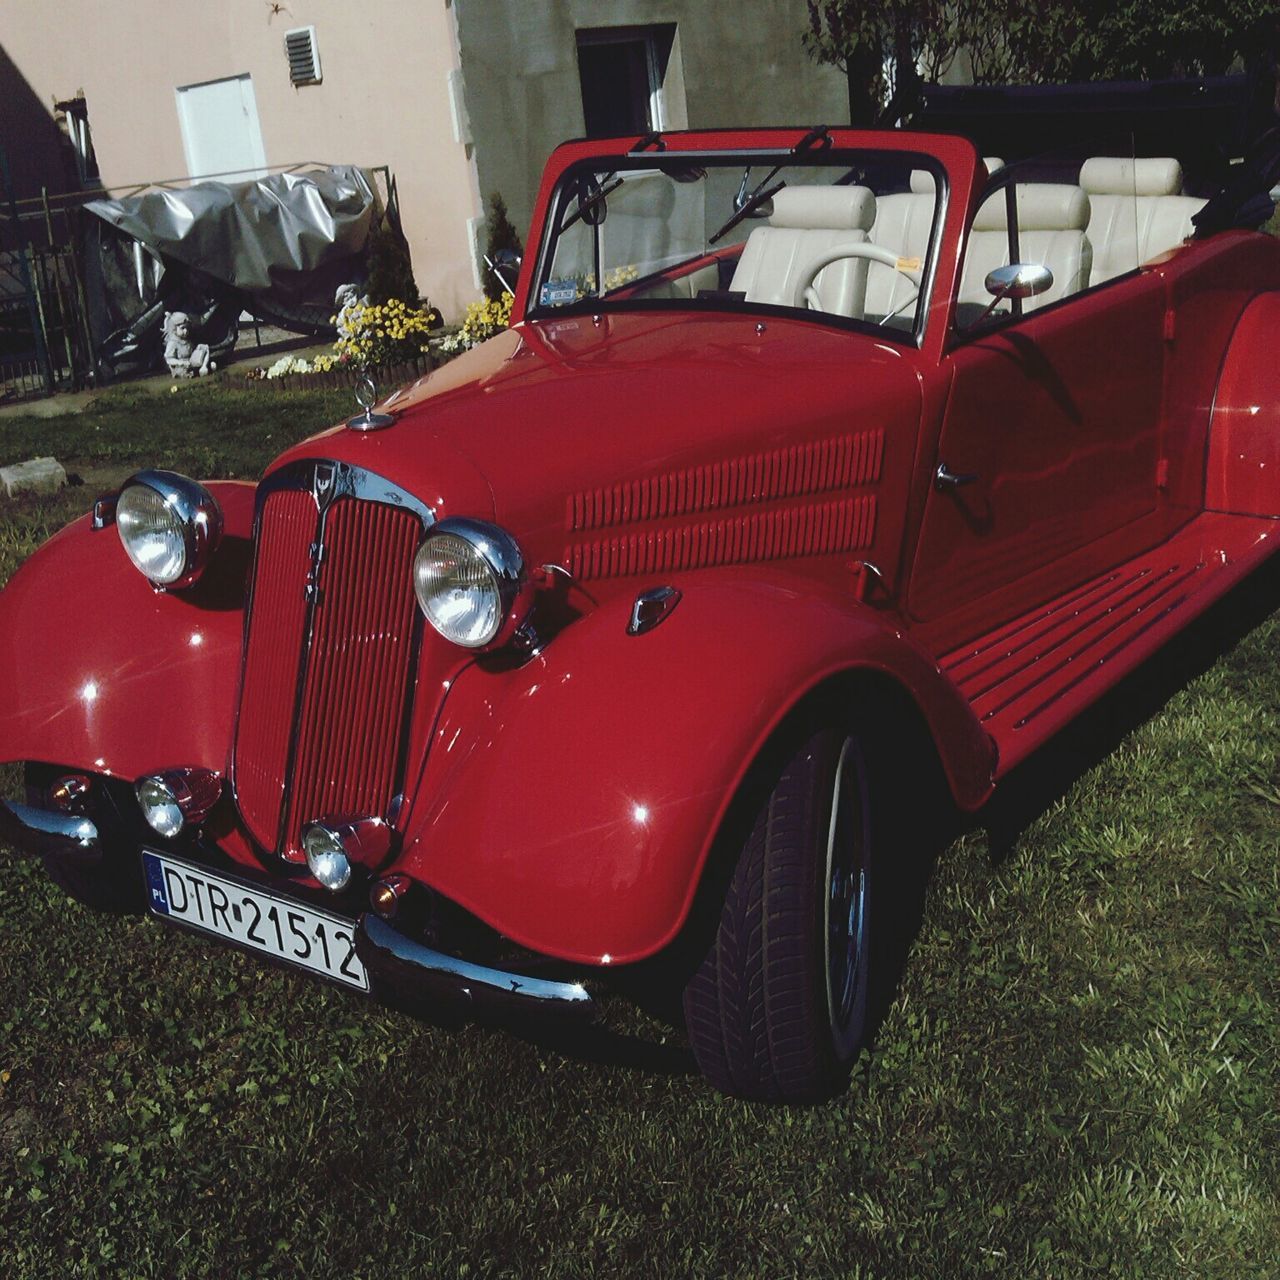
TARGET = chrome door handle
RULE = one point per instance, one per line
(944, 479)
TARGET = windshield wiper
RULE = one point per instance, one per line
(763, 191)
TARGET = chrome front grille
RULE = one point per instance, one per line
(332, 632)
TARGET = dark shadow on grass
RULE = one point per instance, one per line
(603, 1047)
(1047, 776)
(550, 1033)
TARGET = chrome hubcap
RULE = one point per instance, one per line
(846, 898)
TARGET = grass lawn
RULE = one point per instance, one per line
(1079, 1076)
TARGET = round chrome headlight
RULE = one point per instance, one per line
(169, 525)
(471, 583)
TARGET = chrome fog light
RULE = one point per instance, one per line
(160, 807)
(326, 858)
(176, 798)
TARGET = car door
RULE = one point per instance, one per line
(1051, 430)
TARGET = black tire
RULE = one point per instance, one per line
(779, 1005)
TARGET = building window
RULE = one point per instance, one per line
(622, 71)
(75, 119)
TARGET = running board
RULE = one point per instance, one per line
(1032, 676)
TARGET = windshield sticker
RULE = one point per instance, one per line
(559, 293)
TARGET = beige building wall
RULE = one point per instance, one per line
(739, 63)
(384, 98)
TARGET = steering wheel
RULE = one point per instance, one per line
(807, 296)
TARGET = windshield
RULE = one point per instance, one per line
(842, 237)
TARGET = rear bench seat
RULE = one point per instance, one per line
(1138, 211)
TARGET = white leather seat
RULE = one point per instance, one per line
(1138, 211)
(903, 223)
(805, 222)
(1051, 230)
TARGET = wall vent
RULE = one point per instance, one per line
(304, 55)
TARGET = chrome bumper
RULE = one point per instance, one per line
(41, 831)
(414, 970)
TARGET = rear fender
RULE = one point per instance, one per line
(99, 671)
(1243, 473)
(571, 804)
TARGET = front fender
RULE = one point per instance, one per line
(101, 672)
(572, 804)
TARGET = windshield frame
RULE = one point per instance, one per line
(560, 188)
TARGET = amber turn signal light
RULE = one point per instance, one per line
(385, 895)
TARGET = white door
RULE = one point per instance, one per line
(220, 132)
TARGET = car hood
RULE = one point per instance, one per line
(553, 414)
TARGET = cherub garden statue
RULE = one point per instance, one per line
(185, 359)
(348, 302)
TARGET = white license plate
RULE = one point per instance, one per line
(297, 934)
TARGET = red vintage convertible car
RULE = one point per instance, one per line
(812, 462)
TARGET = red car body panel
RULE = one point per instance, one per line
(617, 815)
(1244, 438)
(780, 473)
(101, 672)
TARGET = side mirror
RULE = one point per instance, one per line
(505, 264)
(1019, 280)
(592, 208)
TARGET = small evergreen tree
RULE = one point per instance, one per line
(390, 270)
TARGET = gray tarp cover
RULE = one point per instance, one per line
(252, 235)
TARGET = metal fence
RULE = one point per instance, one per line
(47, 341)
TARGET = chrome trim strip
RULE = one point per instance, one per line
(41, 831)
(398, 959)
(329, 480)
(652, 607)
(326, 481)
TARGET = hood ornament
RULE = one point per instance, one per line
(366, 398)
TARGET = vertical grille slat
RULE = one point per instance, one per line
(272, 650)
(347, 722)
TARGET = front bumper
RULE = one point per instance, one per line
(397, 961)
(411, 969)
(43, 831)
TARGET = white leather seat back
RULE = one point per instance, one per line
(1051, 230)
(1138, 211)
(903, 223)
(805, 222)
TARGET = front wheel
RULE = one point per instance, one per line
(778, 1007)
